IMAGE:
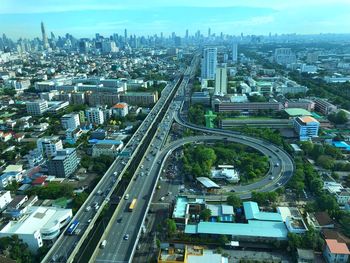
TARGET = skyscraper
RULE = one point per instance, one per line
(234, 52)
(221, 80)
(209, 32)
(209, 62)
(125, 35)
(45, 41)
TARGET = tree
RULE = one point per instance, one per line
(223, 240)
(338, 118)
(171, 226)
(234, 200)
(205, 214)
(325, 161)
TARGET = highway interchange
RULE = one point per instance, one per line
(144, 181)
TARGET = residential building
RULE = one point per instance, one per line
(221, 80)
(39, 225)
(64, 164)
(305, 255)
(49, 145)
(70, 121)
(72, 135)
(120, 110)
(103, 98)
(324, 106)
(106, 147)
(5, 199)
(306, 127)
(95, 116)
(35, 158)
(284, 56)
(209, 63)
(139, 98)
(341, 194)
(78, 98)
(36, 108)
(335, 252)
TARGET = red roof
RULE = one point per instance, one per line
(336, 247)
(40, 180)
(120, 106)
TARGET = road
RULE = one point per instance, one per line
(67, 246)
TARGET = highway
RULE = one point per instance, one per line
(66, 246)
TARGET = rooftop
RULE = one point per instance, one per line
(253, 228)
(307, 119)
(294, 112)
(336, 247)
(207, 183)
(252, 211)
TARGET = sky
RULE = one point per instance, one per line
(84, 18)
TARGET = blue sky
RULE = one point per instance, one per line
(84, 18)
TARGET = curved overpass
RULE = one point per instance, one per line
(281, 174)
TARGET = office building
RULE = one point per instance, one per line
(202, 97)
(44, 36)
(41, 224)
(221, 80)
(120, 110)
(306, 127)
(209, 63)
(246, 108)
(64, 164)
(36, 108)
(234, 52)
(95, 116)
(70, 121)
(49, 145)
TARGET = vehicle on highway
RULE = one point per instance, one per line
(88, 208)
(277, 165)
(126, 197)
(103, 244)
(72, 227)
(132, 204)
(126, 236)
(162, 198)
(272, 177)
(77, 231)
(97, 207)
(169, 193)
(89, 221)
(99, 192)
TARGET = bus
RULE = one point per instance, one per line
(132, 205)
(72, 227)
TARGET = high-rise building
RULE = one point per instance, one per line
(64, 164)
(45, 41)
(186, 34)
(209, 62)
(234, 52)
(125, 35)
(221, 80)
(49, 145)
(209, 32)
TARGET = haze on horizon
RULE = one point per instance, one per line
(84, 18)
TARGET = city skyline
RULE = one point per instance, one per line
(85, 18)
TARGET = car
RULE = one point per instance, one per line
(272, 177)
(126, 237)
(119, 220)
(169, 193)
(162, 198)
(88, 208)
(126, 197)
(89, 220)
(278, 184)
(233, 190)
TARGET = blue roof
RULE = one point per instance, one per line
(265, 229)
(341, 144)
(252, 211)
(96, 141)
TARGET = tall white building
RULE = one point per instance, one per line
(49, 145)
(234, 52)
(221, 80)
(36, 108)
(70, 121)
(209, 62)
(95, 116)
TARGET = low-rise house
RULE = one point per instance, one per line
(319, 220)
(335, 252)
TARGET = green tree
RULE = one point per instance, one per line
(234, 200)
(171, 226)
(205, 214)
